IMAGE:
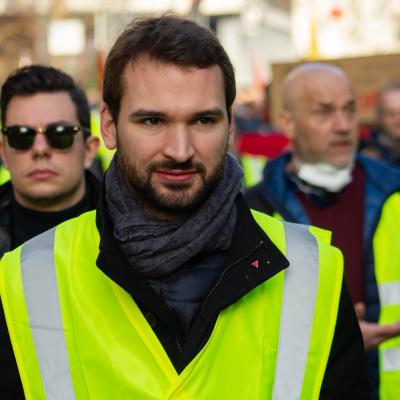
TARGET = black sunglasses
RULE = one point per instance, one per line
(58, 136)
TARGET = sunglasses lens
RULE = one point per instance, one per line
(60, 136)
(20, 137)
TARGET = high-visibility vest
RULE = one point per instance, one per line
(387, 271)
(4, 174)
(77, 334)
(253, 166)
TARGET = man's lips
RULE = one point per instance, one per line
(176, 175)
(42, 174)
(343, 144)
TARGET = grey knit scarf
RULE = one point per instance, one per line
(156, 248)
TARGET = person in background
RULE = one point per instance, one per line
(172, 276)
(251, 112)
(322, 182)
(384, 143)
(47, 147)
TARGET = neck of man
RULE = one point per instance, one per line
(53, 203)
(321, 174)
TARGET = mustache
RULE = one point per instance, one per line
(345, 139)
(174, 165)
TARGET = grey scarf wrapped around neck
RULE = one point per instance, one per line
(155, 247)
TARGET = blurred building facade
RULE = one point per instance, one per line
(345, 28)
(75, 35)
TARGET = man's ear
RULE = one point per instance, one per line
(108, 127)
(2, 151)
(231, 131)
(286, 123)
(92, 144)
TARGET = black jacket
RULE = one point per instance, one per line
(345, 375)
(10, 383)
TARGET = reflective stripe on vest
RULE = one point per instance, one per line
(389, 293)
(387, 272)
(302, 251)
(305, 298)
(43, 304)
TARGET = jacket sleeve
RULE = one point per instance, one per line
(346, 372)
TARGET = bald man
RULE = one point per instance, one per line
(322, 182)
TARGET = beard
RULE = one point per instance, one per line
(169, 197)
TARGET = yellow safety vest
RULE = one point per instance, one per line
(253, 166)
(77, 334)
(387, 271)
(4, 175)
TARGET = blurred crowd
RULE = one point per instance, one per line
(316, 164)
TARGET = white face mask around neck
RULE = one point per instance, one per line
(324, 175)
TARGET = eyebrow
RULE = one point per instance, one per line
(212, 112)
(61, 122)
(144, 113)
(351, 102)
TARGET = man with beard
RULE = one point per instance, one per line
(322, 182)
(173, 288)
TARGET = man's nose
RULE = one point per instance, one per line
(178, 143)
(343, 122)
(40, 147)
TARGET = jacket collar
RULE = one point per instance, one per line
(276, 190)
(384, 177)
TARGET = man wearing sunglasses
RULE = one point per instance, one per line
(46, 146)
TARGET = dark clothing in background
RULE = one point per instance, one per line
(381, 147)
(26, 223)
(340, 209)
(18, 224)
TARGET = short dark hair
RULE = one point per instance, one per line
(35, 79)
(169, 39)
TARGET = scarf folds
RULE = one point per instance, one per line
(156, 248)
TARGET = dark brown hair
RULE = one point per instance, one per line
(168, 39)
(35, 79)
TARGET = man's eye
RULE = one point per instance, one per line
(205, 121)
(152, 121)
(323, 111)
(350, 110)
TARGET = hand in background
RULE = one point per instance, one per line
(374, 334)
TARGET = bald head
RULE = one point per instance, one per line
(304, 78)
(319, 114)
